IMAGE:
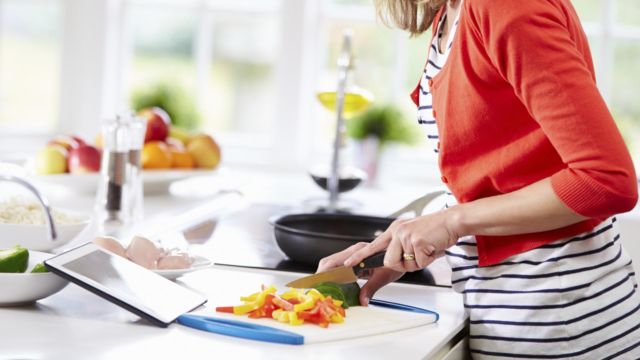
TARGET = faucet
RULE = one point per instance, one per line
(43, 201)
(344, 65)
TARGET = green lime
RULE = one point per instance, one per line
(14, 260)
(39, 268)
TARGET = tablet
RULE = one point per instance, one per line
(125, 283)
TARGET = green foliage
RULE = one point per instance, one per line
(386, 122)
(173, 99)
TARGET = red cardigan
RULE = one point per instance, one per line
(517, 102)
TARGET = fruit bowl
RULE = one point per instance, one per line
(36, 237)
(23, 288)
(155, 181)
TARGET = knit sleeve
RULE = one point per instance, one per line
(533, 48)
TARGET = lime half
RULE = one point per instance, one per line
(14, 260)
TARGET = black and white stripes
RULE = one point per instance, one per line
(573, 299)
(436, 60)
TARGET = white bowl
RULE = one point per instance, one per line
(155, 181)
(36, 237)
(18, 289)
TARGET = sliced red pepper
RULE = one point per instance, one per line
(282, 303)
(225, 309)
(266, 309)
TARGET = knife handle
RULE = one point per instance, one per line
(373, 261)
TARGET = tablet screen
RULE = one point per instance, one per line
(127, 282)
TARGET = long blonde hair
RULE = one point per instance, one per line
(414, 16)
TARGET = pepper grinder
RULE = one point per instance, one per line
(112, 205)
(137, 128)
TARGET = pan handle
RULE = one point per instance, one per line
(418, 205)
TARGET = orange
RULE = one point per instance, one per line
(182, 159)
(156, 155)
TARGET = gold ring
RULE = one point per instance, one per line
(408, 257)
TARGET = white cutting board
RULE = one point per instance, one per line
(359, 322)
(232, 282)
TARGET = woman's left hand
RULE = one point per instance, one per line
(425, 237)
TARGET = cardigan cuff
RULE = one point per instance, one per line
(587, 197)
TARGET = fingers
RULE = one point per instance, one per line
(406, 240)
(424, 255)
(377, 245)
(338, 259)
(379, 278)
(393, 259)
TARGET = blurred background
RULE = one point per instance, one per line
(245, 71)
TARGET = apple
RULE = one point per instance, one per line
(51, 160)
(205, 151)
(179, 134)
(158, 123)
(67, 141)
(84, 159)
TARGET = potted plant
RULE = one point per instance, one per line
(374, 130)
(173, 99)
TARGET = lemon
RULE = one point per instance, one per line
(14, 260)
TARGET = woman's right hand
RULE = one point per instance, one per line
(376, 278)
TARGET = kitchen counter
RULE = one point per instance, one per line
(75, 324)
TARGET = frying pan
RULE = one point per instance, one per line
(309, 237)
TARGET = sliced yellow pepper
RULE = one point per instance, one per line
(249, 298)
(337, 318)
(306, 302)
(276, 313)
(293, 319)
(292, 293)
(245, 308)
(315, 294)
(255, 304)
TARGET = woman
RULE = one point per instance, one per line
(537, 170)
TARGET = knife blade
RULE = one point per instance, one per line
(340, 275)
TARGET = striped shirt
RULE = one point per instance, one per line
(574, 298)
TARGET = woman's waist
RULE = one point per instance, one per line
(469, 250)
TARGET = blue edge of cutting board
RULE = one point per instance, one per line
(269, 334)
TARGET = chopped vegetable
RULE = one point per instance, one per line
(14, 260)
(39, 268)
(294, 307)
(349, 294)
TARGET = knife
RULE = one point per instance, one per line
(340, 275)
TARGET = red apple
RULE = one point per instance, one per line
(67, 141)
(158, 123)
(84, 159)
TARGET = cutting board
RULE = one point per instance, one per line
(359, 322)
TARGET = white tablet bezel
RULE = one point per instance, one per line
(57, 265)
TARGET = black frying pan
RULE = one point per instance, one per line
(307, 238)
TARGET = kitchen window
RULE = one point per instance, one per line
(30, 33)
(252, 68)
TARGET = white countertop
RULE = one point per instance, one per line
(75, 324)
